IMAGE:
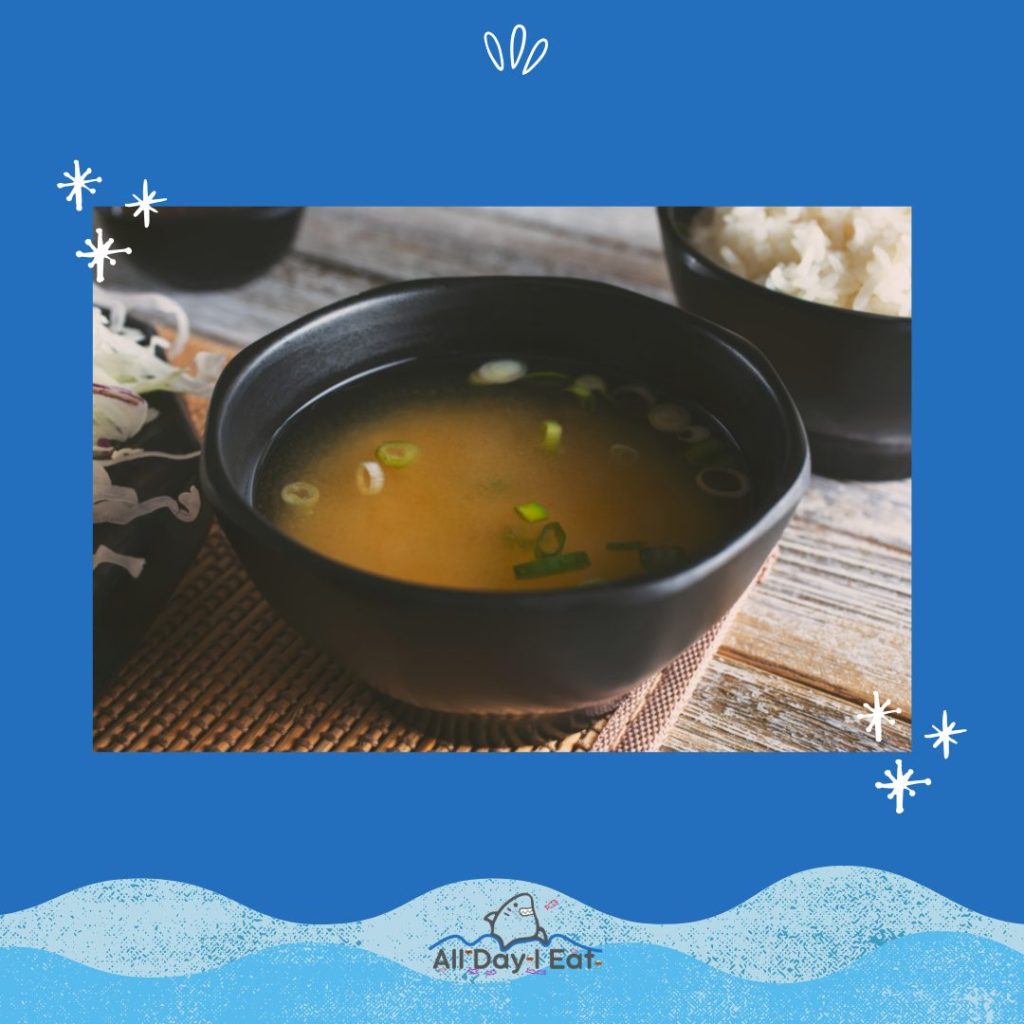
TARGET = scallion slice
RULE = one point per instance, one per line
(633, 395)
(499, 371)
(549, 565)
(723, 482)
(369, 478)
(694, 433)
(711, 452)
(532, 512)
(552, 375)
(300, 494)
(552, 436)
(669, 418)
(397, 454)
(623, 454)
(591, 382)
(585, 387)
(551, 541)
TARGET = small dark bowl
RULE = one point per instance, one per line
(849, 372)
(545, 653)
(199, 248)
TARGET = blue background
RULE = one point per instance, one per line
(381, 103)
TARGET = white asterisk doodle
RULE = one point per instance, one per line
(100, 253)
(876, 716)
(77, 183)
(145, 203)
(900, 783)
(944, 736)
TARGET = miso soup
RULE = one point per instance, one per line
(505, 476)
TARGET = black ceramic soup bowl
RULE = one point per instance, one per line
(848, 371)
(536, 654)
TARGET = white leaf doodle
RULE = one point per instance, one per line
(516, 48)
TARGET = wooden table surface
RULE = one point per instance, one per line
(832, 622)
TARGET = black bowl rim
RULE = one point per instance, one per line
(239, 512)
(793, 301)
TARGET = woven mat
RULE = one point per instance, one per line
(219, 670)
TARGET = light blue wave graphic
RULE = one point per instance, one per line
(803, 927)
(917, 979)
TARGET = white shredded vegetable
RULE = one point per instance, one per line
(106, 556)
(126, 365)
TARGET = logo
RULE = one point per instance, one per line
(517, 943)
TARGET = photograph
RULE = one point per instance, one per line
(582, 479)
(498, 438)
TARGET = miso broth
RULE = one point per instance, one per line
(504, 477)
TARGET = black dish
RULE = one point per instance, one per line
(123, 606)
(849, 372)
(205, 247)
(532, 655)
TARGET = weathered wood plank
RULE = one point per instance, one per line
(239, 316)
(740, 707)
(635, 227)
(834, 613)
(404, 242)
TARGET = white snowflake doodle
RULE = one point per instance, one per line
(100, 253)
(78, 183)
(876, 716)
(900, 783)
(145, 204)
(944, 736)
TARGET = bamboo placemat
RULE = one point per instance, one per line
(220, 671)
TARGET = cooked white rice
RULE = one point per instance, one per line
(856, 257)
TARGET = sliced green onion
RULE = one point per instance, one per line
(300, 494)
(369, 478)
(552, 436)
(626, 545)
(669, 418)
(623, 454)
(713, 451)
(397, 454)
(499, 371)
(551, 375)
(585, 387)
(532, 512)
(723, 482)
(551, 541)
(635, 394)
(551, 564)
(516, 540)
(591, 382)
(662, 559)
(694, 433)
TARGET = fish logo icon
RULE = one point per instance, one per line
(516, 921)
